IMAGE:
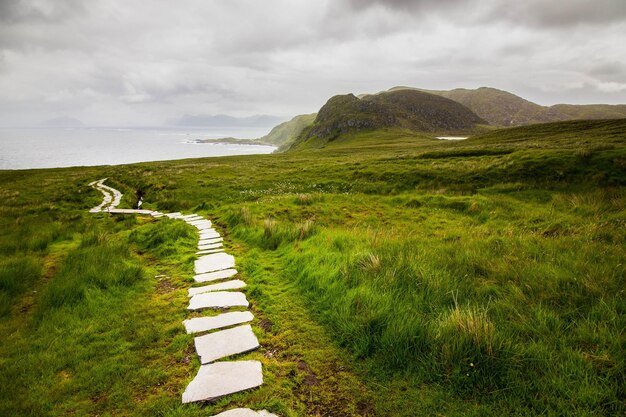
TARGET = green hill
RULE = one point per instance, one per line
(285, 133)
(413, 110)
(501, 108)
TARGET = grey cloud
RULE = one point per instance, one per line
(610, 69)
(150, 60)
(405, 5)
(18, 11)
(535, 13)
(558, 14)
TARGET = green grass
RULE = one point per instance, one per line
(389, 273)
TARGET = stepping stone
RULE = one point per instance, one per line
(245, 412)
(209, 251)
(204, 227)
(214, 262)
(211, 240)
(214, 276)
(210, 231)
(129, 211)
(234, 284)
(195, 219)
(218, 299)
(204, 324)
(218, 345)
(211, 246)
(223, 378)
(175, 215)
(209, 236)
(192, 217)
(199, 222)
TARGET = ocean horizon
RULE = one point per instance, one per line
(60, 147)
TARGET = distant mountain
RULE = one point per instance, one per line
(591, 111)
(222, 120)
(405, 109)
(286, 133)
(501, 108)
(62, 122)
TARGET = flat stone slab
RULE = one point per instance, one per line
(204, 324)
(129, 211)
(214, 262)
(211, 240)
(192, 217)
(223, 378)
(214, 276)
(234, 284)
(245, 412)
(201, 223)
(209, 251)
(210, 246)
(218, 345)
(217, 299)
(198, 221)
(176, 215)
(209, 234)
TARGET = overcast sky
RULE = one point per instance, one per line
(133, 62)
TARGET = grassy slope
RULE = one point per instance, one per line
(285, 133)
(591, 111)
(482, 277)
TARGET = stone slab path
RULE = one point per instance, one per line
(209, 233)
(209, 241)
(245, 412)
(214, 276)
(221, 340)
(204, 324)
(210, 246)
(223, 378)
(218, 345)
(234, 284)
(218, 299)
(208, 251)
(214, 262)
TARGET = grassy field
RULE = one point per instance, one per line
(390, 274)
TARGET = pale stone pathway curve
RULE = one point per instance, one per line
(232, 336)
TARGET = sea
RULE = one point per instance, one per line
(26, 148)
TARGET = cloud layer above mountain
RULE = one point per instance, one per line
(145, 62)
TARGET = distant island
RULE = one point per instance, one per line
(232, 141)
(63, 121)
(222, 120)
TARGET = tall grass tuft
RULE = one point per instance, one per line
(305, 229)
(163, 238)
(17, 274)
(269, 228)
(99, 263)
(308, 199)
(241, 216)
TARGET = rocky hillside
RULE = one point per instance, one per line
(501, 108)
(407, 109)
